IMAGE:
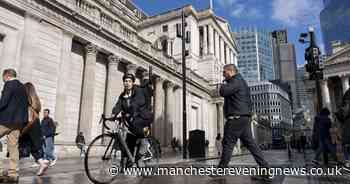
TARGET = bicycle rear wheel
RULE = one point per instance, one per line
(103, 159)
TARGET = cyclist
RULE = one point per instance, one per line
(133, 104)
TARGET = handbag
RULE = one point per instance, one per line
(32, 116)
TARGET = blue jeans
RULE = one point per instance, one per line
(49, 148)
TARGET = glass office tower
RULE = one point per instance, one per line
(255, 60)
(335, 24)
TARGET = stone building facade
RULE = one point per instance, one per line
(336, 76)
(271, 103)
(76, 51)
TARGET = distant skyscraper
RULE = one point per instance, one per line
(306, 92)
(255, 58)
(335, 22)
(284, 59)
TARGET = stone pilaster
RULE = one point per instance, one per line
(87, 103)
(64, 70)
(31, 25)
(114, 83)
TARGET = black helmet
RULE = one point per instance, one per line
(129, 76)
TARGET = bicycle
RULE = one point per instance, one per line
(105, 152)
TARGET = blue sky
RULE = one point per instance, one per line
(293, 15)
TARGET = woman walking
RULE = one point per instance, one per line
(31, 139)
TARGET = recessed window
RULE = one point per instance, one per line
(2, 37)
(165, 28)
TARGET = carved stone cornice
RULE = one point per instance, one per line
(109, 42)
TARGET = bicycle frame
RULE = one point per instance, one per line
(117, 136)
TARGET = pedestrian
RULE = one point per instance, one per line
(237, 111)
(48, 127)
(323, 125)
(218, 143)
(30, 140)
(303, 142)
(343, 115)
(173, 143)
(80, 141)
(13, 116)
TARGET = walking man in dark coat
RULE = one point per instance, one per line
(237, 110)
(13, 116)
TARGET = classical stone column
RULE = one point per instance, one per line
(158, 124)
(64, 70)
(170, 103)
(87, 103)
(345, 83)
(326, 100)
(205, 45)
(211, 40)
(114, 83)
(220, 125)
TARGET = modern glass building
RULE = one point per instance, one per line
(255, 60)
(335, 24)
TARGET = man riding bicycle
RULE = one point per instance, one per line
(134, 106)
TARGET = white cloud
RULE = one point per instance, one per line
(296, 12)
(240, 9)
(226, 3)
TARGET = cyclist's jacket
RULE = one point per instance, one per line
(134, 106)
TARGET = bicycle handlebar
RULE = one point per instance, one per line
(104, 119)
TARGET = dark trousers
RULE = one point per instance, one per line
(137, 129)
(325, 147)
(239, 128)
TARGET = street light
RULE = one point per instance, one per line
(312, 56)
(186, 38)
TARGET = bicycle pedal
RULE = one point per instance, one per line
(146, 158)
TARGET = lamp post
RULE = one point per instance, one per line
(185, 37)
(312, 56)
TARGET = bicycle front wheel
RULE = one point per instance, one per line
(103, 159)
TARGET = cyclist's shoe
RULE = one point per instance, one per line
(147, 156)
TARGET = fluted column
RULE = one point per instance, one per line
(64, 70)
(211, 40)
(325, 94)
(114, 83)
(220, 125)
(158, 125)
(345, 82)
(87, 104)
(205, 45)
(170, 102)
